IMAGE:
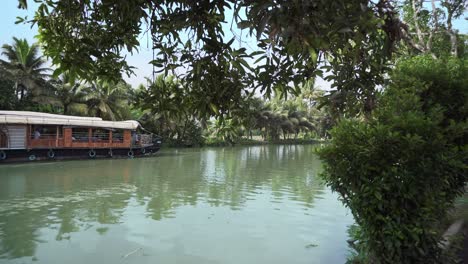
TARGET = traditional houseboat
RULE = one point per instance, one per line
(38, 136)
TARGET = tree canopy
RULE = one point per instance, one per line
(351, 39)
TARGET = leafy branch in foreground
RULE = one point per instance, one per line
(351, 39)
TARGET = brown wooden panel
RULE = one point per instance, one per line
(98, 145)
(79, 145)
(120, 145)
(127, 140)
(67, 136)
(46, 143)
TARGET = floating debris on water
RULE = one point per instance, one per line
(311, 245)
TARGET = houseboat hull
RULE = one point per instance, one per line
(23, 155)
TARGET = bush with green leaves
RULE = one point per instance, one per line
(400, 170)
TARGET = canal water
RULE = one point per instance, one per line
(261, 204)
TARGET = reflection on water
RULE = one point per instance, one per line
(260, 204)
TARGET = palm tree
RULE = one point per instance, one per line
(311, 92)
(226, 129)
(107, 100)
(71, 95)
(26, 67)
(165, 104)
(247, 113)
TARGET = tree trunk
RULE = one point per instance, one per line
(452, 34)
(416, 10)
(21, 92)
(453, 41)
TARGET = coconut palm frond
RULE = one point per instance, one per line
(26, 68)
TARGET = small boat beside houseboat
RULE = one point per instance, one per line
(39, 136)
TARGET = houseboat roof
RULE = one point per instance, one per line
(36, 118)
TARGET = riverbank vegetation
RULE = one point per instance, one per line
(397, 106)
(162, 106)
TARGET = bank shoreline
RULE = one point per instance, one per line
(244, 142)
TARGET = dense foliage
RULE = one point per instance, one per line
(352, 40)
(175, 114)
(165, 106)
(401, 170)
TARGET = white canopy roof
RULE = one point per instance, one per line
(35, 118)
(38, 114)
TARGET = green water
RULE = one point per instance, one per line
(262, 204)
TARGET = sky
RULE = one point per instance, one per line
(8, 30)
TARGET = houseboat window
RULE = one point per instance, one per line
(117, 136)
(44, 132)
(80, 134)
(100, 135)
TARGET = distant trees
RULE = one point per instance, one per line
(271, 119)
(26, 85)
(168, 109)
(279, 117)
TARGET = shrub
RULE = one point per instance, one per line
(401, 170)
